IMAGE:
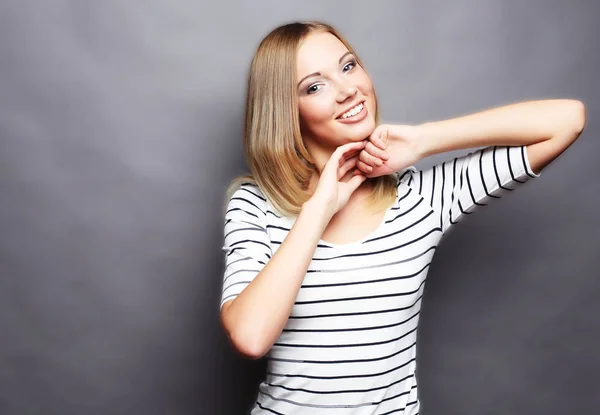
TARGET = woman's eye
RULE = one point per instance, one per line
(312, 89)
(349, 66)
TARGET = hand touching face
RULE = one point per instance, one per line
(389, 149)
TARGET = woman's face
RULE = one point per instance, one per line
(335, 95)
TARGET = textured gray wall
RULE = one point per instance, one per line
(120, 126)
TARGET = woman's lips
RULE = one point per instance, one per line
(356, 118)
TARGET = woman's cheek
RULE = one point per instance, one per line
(317, 112)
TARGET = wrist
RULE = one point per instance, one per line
(426, 140)
(319, 210)
(423, 143)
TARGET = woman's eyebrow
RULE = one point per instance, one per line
(319, 73)
(344, 55)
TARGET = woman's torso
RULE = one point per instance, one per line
(350, 343)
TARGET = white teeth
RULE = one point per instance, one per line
(353, 111)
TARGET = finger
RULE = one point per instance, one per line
(349, 147)
(357, 172)
(379, 138)
(365, 168)
(347, 156)
(341, 155)
(344, 152)
(369, 159)
(355, 182)
(376, 152)
(348, 164)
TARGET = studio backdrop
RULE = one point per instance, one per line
(121, 126)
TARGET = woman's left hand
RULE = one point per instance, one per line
(389, 149)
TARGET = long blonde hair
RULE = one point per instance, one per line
(279, 162)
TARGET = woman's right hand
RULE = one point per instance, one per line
(332, 193)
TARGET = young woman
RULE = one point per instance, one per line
(329, 241)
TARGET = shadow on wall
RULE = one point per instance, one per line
(237, 379)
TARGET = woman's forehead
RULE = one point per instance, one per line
(318, 51)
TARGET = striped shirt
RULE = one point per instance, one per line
(349, 346)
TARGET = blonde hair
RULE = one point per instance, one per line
(279, 162)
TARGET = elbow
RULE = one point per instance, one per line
(577, 116)
(248, 343)
(246, 340)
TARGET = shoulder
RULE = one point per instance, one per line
(250, 191)
(247, 200)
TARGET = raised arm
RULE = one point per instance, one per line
(517, 141)
(546, 127)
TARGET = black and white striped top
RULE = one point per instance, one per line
(349, 346)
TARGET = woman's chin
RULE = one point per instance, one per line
(360, 132)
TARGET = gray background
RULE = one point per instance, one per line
(121, 125)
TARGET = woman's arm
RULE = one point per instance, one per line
(255, 318)
(546, 127)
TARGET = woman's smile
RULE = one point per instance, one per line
(355, 114)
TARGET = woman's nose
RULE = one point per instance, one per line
(346, 90)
